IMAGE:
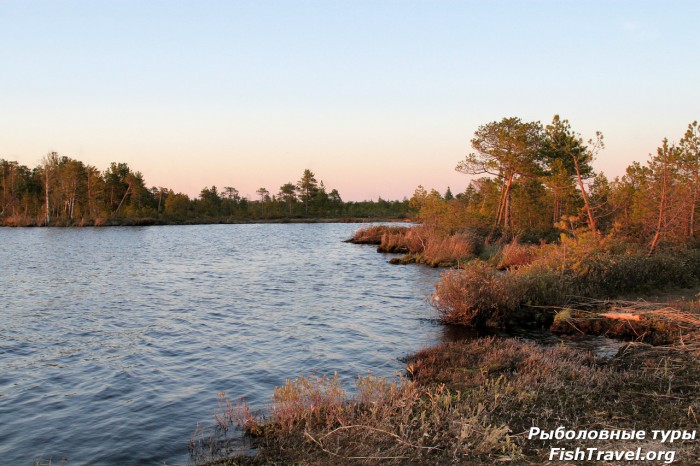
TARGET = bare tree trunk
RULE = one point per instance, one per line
(46, 193)
(591, 219)
(501, 204)
(126, 193)
(72, 201)
(160, 198)
(691, 226)
(659, 224)
(662, 202)
(506, 210)
(693, 205)
(89, 190)
(503, 216)
(4, 191)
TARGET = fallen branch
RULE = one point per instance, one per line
(320, 445)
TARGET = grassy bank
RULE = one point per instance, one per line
(420, 244)
(479, 295)
(475, 404)
(519, 285)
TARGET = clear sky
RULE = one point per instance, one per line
(375, 97)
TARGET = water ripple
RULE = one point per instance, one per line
(115, 341)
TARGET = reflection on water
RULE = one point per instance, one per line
(115, 341)
(450, 333)
(600, 346)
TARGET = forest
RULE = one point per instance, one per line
(62, 191)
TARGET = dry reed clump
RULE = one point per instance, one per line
(374, 234)
(430, 246)
(445, 251)
(307, 401)
(399, 241)
(421, 244)
(474, 402)
(514, 255)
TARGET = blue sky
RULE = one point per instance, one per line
(375, 97)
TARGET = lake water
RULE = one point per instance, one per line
(115, 341)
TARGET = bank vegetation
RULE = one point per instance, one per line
(538, 240)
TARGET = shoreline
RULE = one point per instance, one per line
(478, 402)
(504, 399)
(158, 222)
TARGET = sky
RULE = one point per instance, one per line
(375, 97)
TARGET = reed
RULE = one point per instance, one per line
(373, 234)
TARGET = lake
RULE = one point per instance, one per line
(115, 341)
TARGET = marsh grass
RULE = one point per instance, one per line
(373, 234)
(514, 255)
(421, 244)
(555, 276)
(474, 402)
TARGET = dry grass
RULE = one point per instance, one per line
(400, 241)
(420, 244)
(514, 255)
(398, 422)
(474, 402)
(374, 234)
(448, 251)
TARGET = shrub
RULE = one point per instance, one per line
(475, 295)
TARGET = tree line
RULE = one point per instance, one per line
(538, 181)
(62, 191)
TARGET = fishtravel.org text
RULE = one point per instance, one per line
(598, 454)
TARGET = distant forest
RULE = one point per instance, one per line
(62, 191)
